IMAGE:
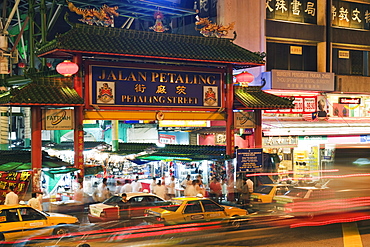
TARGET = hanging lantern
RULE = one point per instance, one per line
(21, 65)
(49, 65)
(67, 68)
(244, 78)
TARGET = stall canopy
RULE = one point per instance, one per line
(152, 152)
(103, 146)
(16, 160)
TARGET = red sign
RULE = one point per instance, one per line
(302, 105)
(20, 181)
(356, 101)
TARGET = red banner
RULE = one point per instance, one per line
(20, 181)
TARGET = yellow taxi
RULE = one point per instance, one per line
(21, 221)
(196, 209)
(266, 192)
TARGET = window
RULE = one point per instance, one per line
(10, 215)
(279, 57)
(356, 64)
(193, 208)
(31, 214)
(210, 206)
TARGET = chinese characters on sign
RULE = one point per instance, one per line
(249, 160)
(292, 10)
(127, 86)
(20, 181)
(302, 105)
(352, 15)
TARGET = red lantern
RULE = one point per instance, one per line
(67, 68)
(49, 65)
(21, 65)
(244, 78)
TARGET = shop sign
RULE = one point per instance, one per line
(20, 181)
(58, 119)
(296, 50)
(343, 54)
(279, 141)
(365, 138)
(302, 80)
(167, 139)
(313, 138)
(183, 123)
(302, 105)
(350, 101)
(244, 120)
(220, 139)
(350, 14)
(304, 11)
(249, 160)
(133, 86)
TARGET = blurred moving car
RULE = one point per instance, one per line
(137, 203)
(265, 192)
(286, 203)
(194, 209)
(20, 221)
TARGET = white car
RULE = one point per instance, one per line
(138, 202)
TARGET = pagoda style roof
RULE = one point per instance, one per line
(43, 91)
(109, 41)
(252, 97)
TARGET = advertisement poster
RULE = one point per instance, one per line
(20, 181)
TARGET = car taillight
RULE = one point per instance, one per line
(159, 219)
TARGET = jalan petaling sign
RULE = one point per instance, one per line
(128, 86)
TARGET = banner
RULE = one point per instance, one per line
(20, 181)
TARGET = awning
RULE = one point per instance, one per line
(43, 91)
(16, 160)
(249, 98)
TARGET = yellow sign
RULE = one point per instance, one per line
(57, 119)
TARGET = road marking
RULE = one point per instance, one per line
(351, 236)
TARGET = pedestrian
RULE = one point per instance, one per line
(160, 189)
(124, 207)
(127, 187)
(238, 187)
(119, 186)
(78, 195)
(244, 193)
(185, 185)
(215, 190)
(153, 184)
(102, 192)
(250, 185)
(192, 190)
(34, 202)
(224, 190)
(11, 198)
(136, 185)
(171, 188)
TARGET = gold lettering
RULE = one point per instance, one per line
(202, 79)
(131, 77)
(154, 76)
(179, 79)
(102, 76)
(111, 76)
(162, 77)
(120, 77)
(142, 76)
(172, 76)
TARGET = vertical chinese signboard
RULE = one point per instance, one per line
(249, 160)
(20, 181)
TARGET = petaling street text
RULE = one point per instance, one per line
(165, 77)
(159, 99)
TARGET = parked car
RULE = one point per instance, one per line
(137, 201)
(264, 193)
(20, 221)
(194, 209)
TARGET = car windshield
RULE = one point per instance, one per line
(173, 205)
(113, 199)
(295, 192)
(263, 189)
